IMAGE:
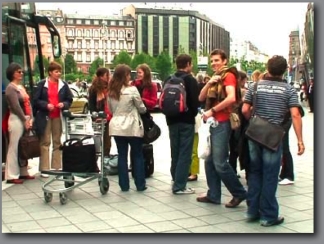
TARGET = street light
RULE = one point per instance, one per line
(104, 34)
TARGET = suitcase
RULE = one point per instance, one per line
(148, 160)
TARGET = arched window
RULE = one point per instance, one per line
(95, 33)
(113, 33)
(79, 33)
(70, 32)
(87, 33)
(121, 34)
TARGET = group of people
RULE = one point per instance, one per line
(124, 101)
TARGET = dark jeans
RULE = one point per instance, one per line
(233, 148)
(217, 167)
(287, 168)
(181, 142)
(263, 182)
(136, 144)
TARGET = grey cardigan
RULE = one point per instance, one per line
(126, 120)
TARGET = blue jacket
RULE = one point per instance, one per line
(40, 102)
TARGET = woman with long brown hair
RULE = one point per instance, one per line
(98, 92)
(126, 126)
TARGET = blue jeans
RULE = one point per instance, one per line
(263, 182)
(136, 144)
(181, 142)
(217, 167)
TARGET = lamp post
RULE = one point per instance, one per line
(104, 34)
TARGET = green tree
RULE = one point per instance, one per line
(36, 67)
(61, 62)
(122, 58)
(193, 55)
(97, 63)
(141, 58)
(164, 64)
(70, 64)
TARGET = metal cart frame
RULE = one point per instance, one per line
(76, 127)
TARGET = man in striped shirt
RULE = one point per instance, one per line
(273, 99)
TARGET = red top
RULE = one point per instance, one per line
(149, 95)
(224, 115)
(53, 98)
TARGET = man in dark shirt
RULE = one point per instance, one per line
(182, 128)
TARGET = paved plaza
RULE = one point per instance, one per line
(156, 210)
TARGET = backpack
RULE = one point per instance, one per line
(173, 98)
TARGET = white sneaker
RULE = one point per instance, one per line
(44, 175)
(286, 182)
(185, 191)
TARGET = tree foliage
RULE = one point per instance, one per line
(97, 63)
(70, 64)
(164, 64)
(36, 66)
(122, 58)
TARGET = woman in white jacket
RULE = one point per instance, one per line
(126, 126)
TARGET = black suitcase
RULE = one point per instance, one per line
(148, 160)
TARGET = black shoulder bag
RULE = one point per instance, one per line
(262, 131)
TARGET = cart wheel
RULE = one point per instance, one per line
(63, 198)
(104, 186)
(68, 184)
(48, 197)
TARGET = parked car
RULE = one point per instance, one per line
(80, 101)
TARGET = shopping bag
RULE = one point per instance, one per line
(204, 146)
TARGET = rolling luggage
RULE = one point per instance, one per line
(148, 160)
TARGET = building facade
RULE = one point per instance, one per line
(294, 55)
(88, 37)
(174, 30)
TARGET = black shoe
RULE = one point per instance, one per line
(143, 189)
(253, 219)
(278, 221)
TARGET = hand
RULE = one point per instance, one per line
(27, 124)
(301, 148)
(60, 105)
(207, 115)
(214, 79)
(31, 123)
(50, 107)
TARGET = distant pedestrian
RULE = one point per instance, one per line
(310, 95)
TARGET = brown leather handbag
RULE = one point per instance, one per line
(28, 146)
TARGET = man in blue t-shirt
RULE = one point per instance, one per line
(273, 98)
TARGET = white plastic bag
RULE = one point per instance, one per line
(204, 141)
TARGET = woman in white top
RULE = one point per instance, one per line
(126, 126)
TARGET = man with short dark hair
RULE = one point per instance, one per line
(273, 98)
(182, 128)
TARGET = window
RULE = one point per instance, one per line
(79, 44)
(88, 57)
(129, 34)
(88, 44)
(70, 44)
(113, 34)
(96, 55)
(129, 23)
(96, 22)
(49, 40)
(70, 32)
(121, 23)
(129, 45)
(70, 21)
(87, 33)
(104, 44)
(96, 44)
(79, 57)
(79, 33)
(121, 45)
(121, 34)
(95, 33)
(113, 45)
(112, 22)
(87, 22)
(79, 22)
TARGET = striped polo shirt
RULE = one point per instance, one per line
(274, 98)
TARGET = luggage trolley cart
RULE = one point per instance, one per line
(77, 127)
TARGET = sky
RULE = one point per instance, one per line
(267, 25)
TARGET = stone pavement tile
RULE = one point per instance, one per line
(182, 205)
(112, 198)
(25, 196)
(9, 211)
(30, 202)
(147, 218)
(135, 229)
(36, 207)
(298, 216)
(205, 229)
(112, 230)
(35, 231)
(279, 229)
(75, 219)
(17, 190)
(197, 211)
(64, 229)
(146, 203)
(159, 208)
(302, 190)
(15, 218)
(236, 216)
(10, 204)
(121, 206)
(20, 227)
(93, 226)
(163, 226)
(66, 210)
(48, 214)
(177, 231)
(170, 199)
(5, 197)
(53, 222)
(284, 192)
(78, 194)
(90, 202)
(138, 211)
(5, 229)
(296, 198)
(156, 194)
(174, 215)
(302, 205)
(109, 215)
(189, 222)
(215, 219)
(306, 226)
(98, 208)
(237, 227)
(121, 222)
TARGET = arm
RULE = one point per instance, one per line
(68, 97)
(203, 92)
(37, 101)
(92, 101)
(150, 96)
(13, 102)
(138, 102)
(297, 123)
(246, 110)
